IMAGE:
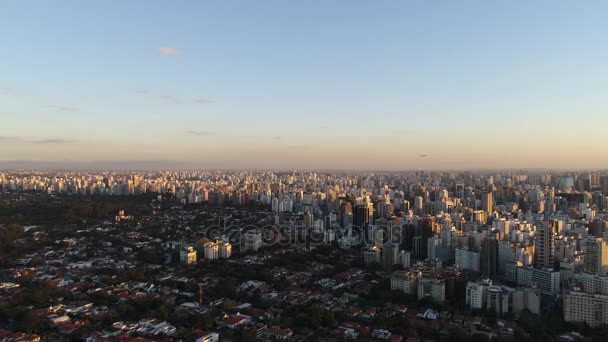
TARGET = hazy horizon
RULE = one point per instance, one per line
(168, 165)
(332, 85)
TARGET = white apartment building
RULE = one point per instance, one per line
(404, 281)
(431, 288)
(476, 293)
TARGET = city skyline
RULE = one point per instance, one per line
(375, 86)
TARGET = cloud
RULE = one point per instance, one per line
(5, 138)
(199, 133)
(170, 98)
(142, 92)
(168, 51)
(63, 108)
(53, 141)
(207, 133)
(201, 100)
(36, 141)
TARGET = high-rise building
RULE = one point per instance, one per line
(593, 283)
(419, 246)
(187, 255)
(506, 254)
(361, 216)
(487, 202)
(596, 256)
(547, 281)
(476, 292)
(489, 257)
(431, 288)
(404, 281)
(252, 240)
(211, 250)
(544, 246)
(527, 298)
(581, 306)
(500, 299)
(225, 249)
(418, 205)
(372, 254)
(467, 260)
(405, 259)
(390, 255)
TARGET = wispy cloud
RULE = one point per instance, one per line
(201, 100)
(36, 141)
(199, 133)
(53, 141)
(62, 108)
(5, 138)
(170, 98)
(207, 133)
(168, 50)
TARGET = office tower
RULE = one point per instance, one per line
(596, 256)
(345, 214)
(390, 255)
(596, 228)
(418, 204)
(551, 201)
(506, 254)
(544, 246)
(487, 202)
(419, 246)
(361, 216)
(405, 259)
(489, 257)
(433, 244)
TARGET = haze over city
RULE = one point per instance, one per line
(315, 84)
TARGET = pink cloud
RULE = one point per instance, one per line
(167, 51)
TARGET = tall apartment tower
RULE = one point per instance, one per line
(487, 202)
(489, 256)
(596, 256)
(544, 246)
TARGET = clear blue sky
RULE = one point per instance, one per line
(368, 84)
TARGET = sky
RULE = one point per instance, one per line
(306, 84)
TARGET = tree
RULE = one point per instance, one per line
(456, 334)
(480, 338)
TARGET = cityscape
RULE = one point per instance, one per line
(303, 255)
(303, 171)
